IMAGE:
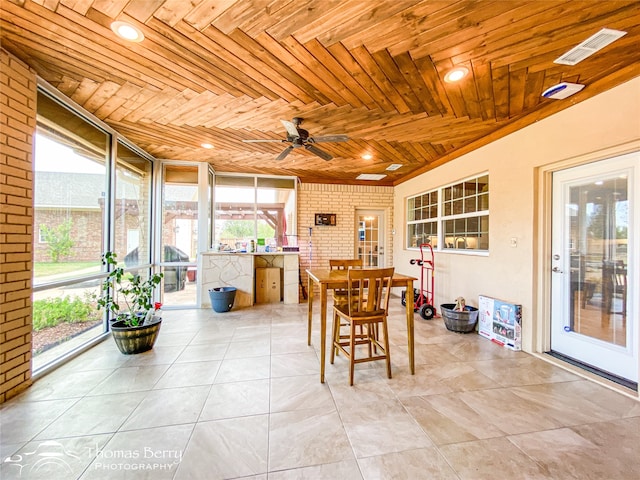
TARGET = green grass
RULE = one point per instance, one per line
(44, 269)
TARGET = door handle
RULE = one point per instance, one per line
(556, 270)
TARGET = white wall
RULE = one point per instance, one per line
(608, 121)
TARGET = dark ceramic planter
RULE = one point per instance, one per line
(132, 340)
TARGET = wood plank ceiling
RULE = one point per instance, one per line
(220, 71)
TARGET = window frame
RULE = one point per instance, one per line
(446, 197)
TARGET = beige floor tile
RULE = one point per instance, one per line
(53, 459)
(578, 402)
(426, 381)
(242, 369)
(237, 395)
(509, 412)
(447, 419)
(149, 454)
(525, 370)
(203, 352)
(382, 427)
(492, 459)
(299, 393)
(291, 364)
(567, 454)
(93, 415)
(172, 339)
(155, 356)
(236, 399)
(66, 383)
(130, 379)
(475, 348)
(170, 406)
(21, 421)
(618, 441)
(424, 463)
(369, 388)
(249, 333)
(189, 374)
(347, 470)
(304, 438)
(258, 347)
(213, 334)
(228, 448)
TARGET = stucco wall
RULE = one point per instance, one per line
(609, 121)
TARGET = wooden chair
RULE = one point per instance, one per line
(340, 295)
(367, 306)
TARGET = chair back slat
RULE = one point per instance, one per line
(345, 264)
(369, 290)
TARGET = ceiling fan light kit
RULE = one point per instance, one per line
(299, 138)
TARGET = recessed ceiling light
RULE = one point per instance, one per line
(127, 31)
(367, 156)
(456, 74)
(206, 145)
(370, 176)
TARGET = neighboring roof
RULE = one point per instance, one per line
(76, 190)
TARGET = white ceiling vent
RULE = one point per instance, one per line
(394, 166)
(590, 46)
(370, 176)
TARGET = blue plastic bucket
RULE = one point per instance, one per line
(222, 298)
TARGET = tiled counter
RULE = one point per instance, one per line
(238, 270)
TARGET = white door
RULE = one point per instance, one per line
(594, 264)
(370, 237)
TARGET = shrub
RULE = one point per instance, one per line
(53, 311)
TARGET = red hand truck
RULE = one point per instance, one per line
(423, 297)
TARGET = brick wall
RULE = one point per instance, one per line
(338, 241)
(17, 125)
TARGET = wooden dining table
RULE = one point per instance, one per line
(337, 279)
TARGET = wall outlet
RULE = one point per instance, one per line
(514, 242)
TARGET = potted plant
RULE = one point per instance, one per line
(128, 299)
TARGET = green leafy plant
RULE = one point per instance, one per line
(126, 297)
(50, 312)
(58, 240)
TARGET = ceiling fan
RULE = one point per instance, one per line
(300, 138)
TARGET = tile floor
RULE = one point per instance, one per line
(237, 395)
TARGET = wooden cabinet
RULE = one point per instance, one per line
(267, 285)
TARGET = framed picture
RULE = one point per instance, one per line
(325, 219)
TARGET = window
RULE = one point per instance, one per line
(422, 216)
(456, 217)
(133, 206)
(71, 156)
(248, 208)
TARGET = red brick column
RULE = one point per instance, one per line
(17, 126)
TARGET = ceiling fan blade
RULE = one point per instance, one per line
(329, 138)
(261, 140)
(291, 128)
(316, 151)
(284, 153)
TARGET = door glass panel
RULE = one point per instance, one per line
(369, 246)
(598, 241)
(178, 254)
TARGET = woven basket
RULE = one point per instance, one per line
(456, 321)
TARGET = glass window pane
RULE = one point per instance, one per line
(180, 214)
(70, 193)
(133, 207)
